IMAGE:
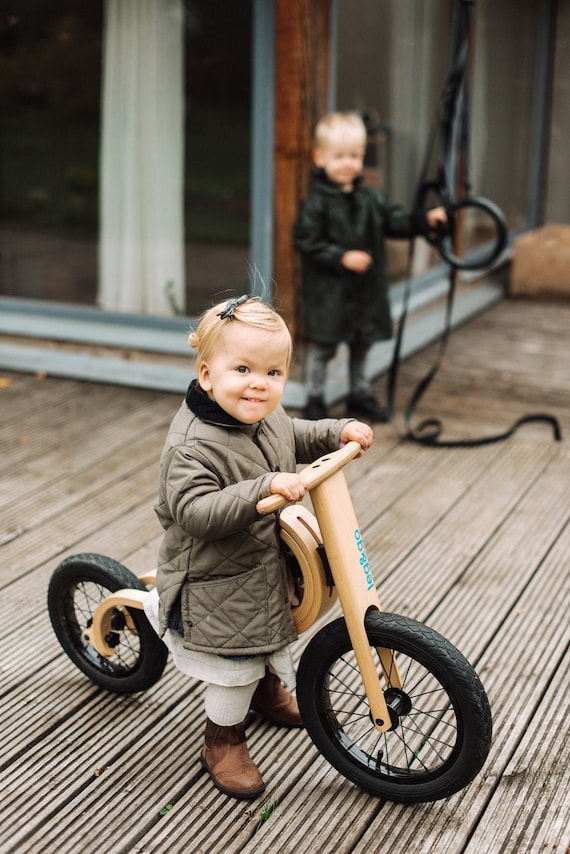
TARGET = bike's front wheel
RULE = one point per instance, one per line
(441, 719)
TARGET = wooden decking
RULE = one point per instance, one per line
(475, 542)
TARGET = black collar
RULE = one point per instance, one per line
(207, 409)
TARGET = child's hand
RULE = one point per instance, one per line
(356, 260)
(436, 216)
(357, 431)
(291, 486)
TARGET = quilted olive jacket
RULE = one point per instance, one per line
(220, 561)
(337, 303)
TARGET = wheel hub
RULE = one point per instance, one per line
(399, 704)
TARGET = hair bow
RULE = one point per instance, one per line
(228, 311)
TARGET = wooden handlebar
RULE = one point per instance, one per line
(313, 475)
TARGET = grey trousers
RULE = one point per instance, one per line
(316, 362)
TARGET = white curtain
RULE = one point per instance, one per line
(141, 247)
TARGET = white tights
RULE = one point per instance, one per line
(228, 705)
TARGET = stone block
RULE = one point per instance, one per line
(541, 263)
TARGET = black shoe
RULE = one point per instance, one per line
(366, 406)
(315, 409)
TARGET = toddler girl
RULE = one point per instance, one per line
(224, 608)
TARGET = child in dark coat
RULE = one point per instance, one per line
(340, 234)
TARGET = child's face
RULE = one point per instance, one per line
(247, 375)
(342, 160)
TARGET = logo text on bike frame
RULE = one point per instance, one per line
(364, 560)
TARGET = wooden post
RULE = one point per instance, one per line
(302, 50)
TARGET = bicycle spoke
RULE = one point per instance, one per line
(425, 736)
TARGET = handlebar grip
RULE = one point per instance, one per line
(313, 475)
(270, 504)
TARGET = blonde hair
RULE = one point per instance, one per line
(335, 126)
(251, 312)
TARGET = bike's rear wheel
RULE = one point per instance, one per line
(441, 731)
(76, 588)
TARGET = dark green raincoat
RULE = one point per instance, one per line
(337, 303)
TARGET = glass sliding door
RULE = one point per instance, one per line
(218, 85)
(397, 78)
(508, 53)
(80, 218)
(50, 76)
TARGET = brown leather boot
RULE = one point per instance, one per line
(275, 703)
(226, 759)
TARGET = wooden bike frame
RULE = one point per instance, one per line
(349, 567)
(335, 527)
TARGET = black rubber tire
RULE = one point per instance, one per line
(75, 589)
(442, 733)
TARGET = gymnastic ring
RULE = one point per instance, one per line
(442, 239)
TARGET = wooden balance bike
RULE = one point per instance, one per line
(388, 701)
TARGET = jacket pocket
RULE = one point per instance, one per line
(228, 613)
